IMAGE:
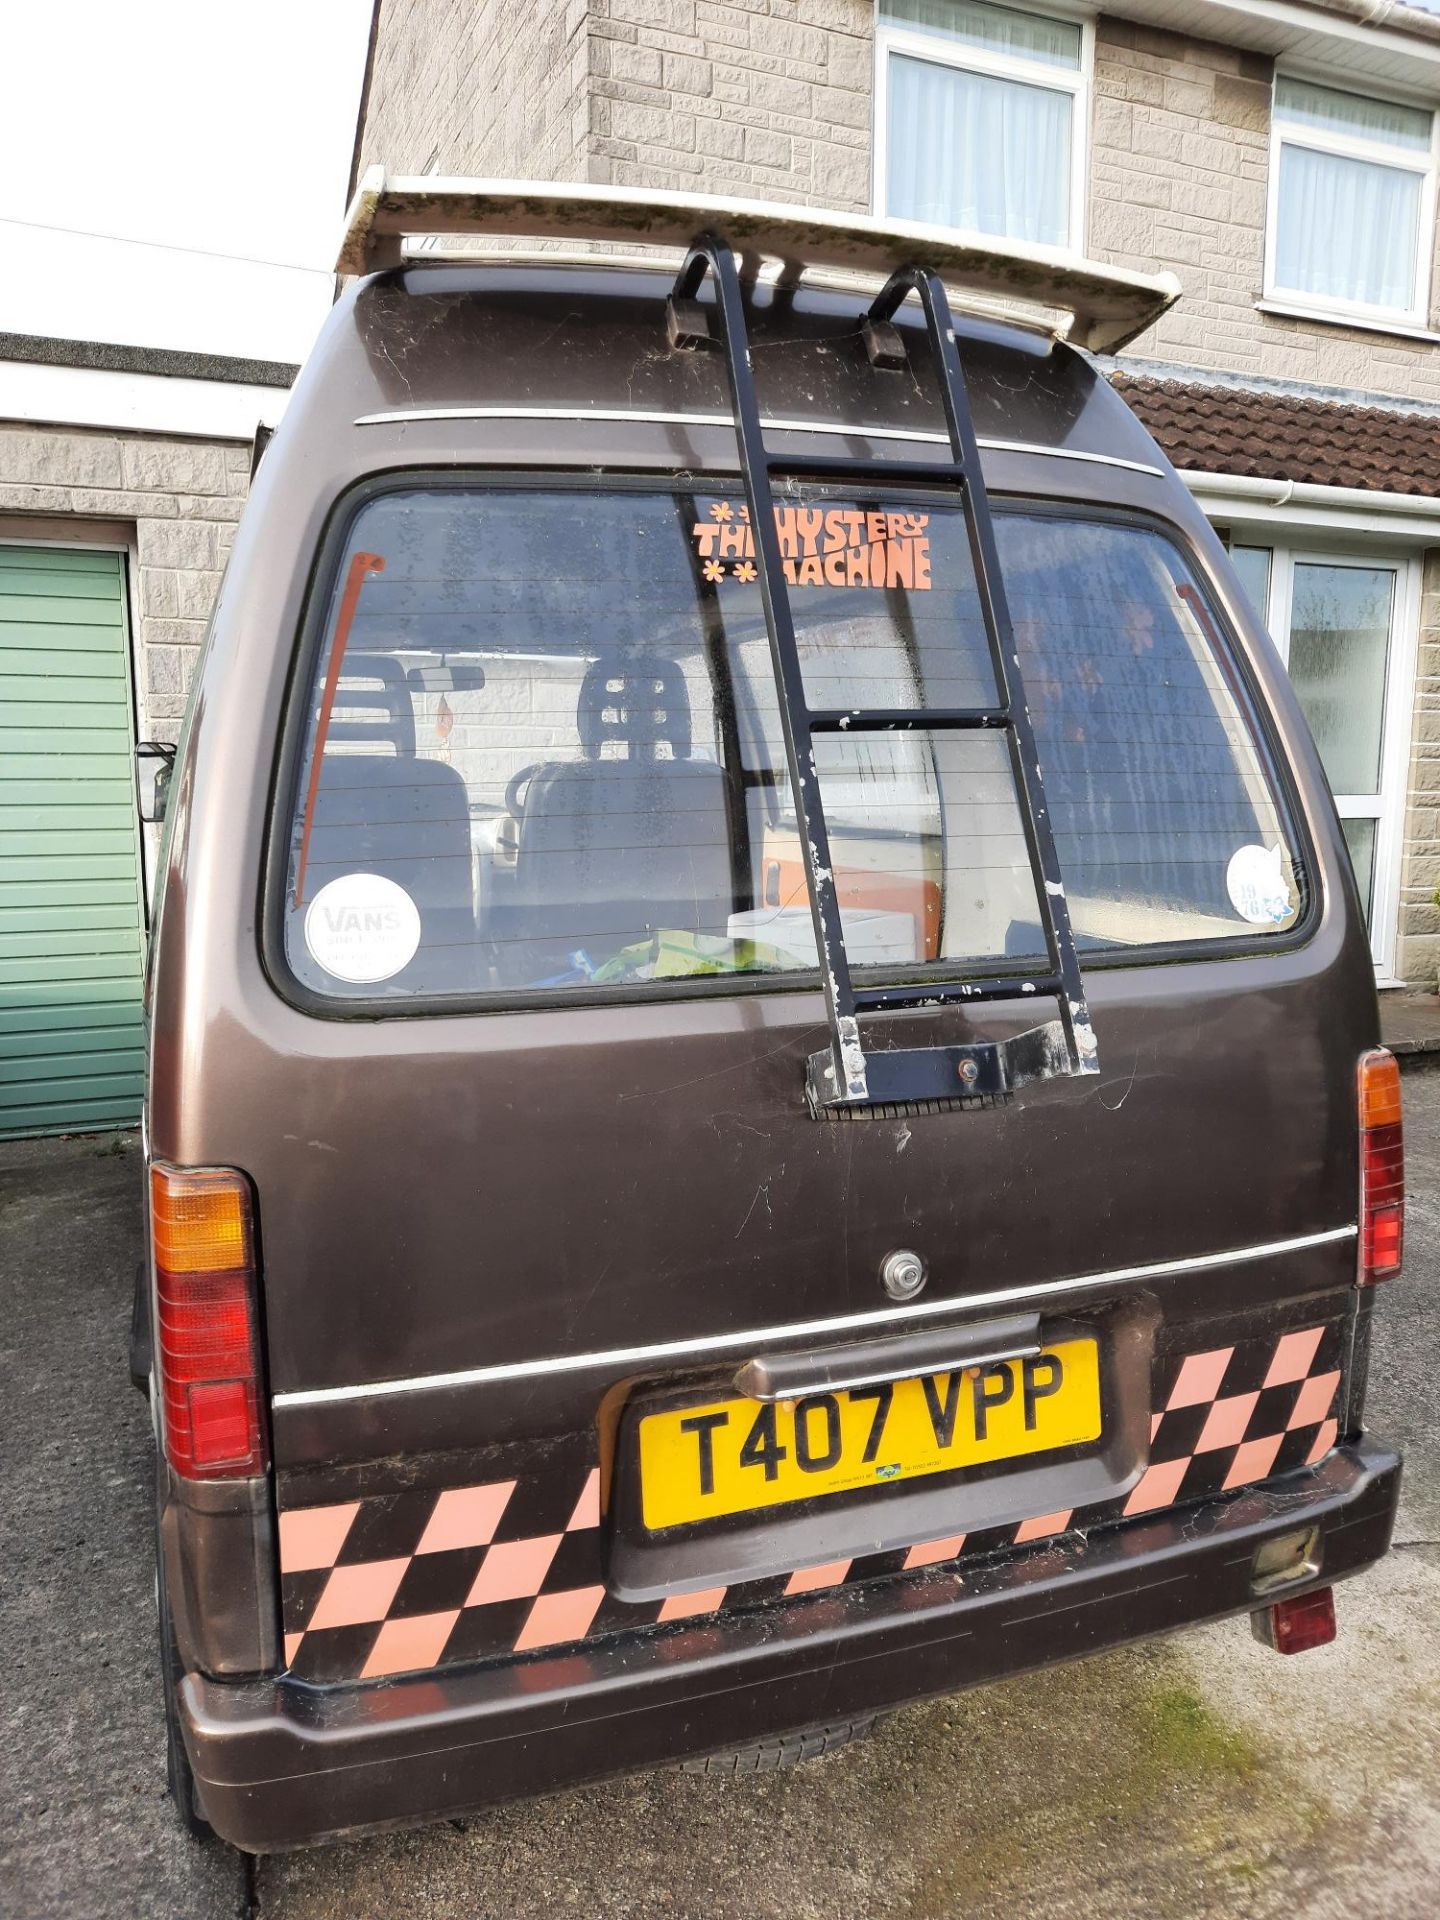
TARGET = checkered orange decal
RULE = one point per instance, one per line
(425, 1577)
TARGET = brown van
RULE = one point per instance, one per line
(763, 1094)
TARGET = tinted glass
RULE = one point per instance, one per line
(543, 746)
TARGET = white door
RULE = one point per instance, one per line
(1345, 624)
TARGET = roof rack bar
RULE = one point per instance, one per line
(1104, 306)
(906, 719)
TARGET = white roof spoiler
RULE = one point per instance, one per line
(1108, 306)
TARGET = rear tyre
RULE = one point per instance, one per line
(787, 1750)
(178, 1774)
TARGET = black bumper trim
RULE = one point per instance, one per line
(282, 1764)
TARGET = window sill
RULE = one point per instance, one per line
(1325, 317)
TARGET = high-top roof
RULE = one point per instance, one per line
(1106, 306)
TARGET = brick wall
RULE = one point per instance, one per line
(183, 498)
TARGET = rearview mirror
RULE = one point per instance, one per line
(154, 764)
(455, 676)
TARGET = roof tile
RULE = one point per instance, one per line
(1279, 436)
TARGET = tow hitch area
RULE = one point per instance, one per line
(1294, 1626)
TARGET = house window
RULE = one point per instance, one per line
(1345, 626)
(1352, 203)
(980, 120)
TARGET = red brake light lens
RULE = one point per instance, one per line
(206, 1344)
(1382, 1169)
(1295, 1626)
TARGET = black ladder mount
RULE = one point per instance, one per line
(848, 1077)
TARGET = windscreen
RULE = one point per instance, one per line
(543, 749)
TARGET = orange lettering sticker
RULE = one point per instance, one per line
(819, 547)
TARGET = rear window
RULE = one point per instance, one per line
(542, 749)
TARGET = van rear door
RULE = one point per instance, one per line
(549, 1185)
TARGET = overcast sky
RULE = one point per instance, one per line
(196, 124)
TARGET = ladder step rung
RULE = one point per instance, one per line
(819, 466)
(905, 719)
(957, 992)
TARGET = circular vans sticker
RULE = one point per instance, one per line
(362, 927)
(1258, 885)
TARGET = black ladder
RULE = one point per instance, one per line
(847, 1078)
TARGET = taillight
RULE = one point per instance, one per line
(207, 1350)
(1382, 1169)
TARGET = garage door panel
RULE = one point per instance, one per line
(71, 919)
(46, 583)
(85, 916)
(86, 891)
(71, 1111)
(50, 733)
(103, 1003)
(68, 942)
(28, 777)
(67, 810)
(45, 665)
(109, 1042)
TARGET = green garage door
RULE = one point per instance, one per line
(72, 944)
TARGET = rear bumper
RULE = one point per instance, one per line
(282, 1764)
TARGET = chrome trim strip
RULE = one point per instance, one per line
(800, 1330)
(725, 420)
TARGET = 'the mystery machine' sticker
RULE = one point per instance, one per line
(1259, 886)
(362, 927)
(819, 546)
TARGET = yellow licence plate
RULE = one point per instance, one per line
(729, 1456)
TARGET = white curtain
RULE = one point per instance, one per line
(1330, 110)
(1027, 36)
(970, 150)
(1345, 229)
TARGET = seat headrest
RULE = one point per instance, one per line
(642, 703)
(390, 699)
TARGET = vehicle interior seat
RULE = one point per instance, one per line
(382, 808)
(630, 838)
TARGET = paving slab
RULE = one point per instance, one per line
(86, 1832)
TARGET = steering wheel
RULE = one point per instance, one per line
(514, 804)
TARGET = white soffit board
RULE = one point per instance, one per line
(138, 402)
(1301, 34)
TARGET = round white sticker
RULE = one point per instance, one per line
(362, 927)
(1258, 886)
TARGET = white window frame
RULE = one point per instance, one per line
(1348, 146)
(1076, 81)
(1388, 804)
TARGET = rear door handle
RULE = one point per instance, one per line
(790, 1376)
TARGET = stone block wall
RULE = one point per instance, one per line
(493, 87)
(1179, 165)
(747, 98)
(182, 498)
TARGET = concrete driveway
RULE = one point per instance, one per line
(1203, 1777)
